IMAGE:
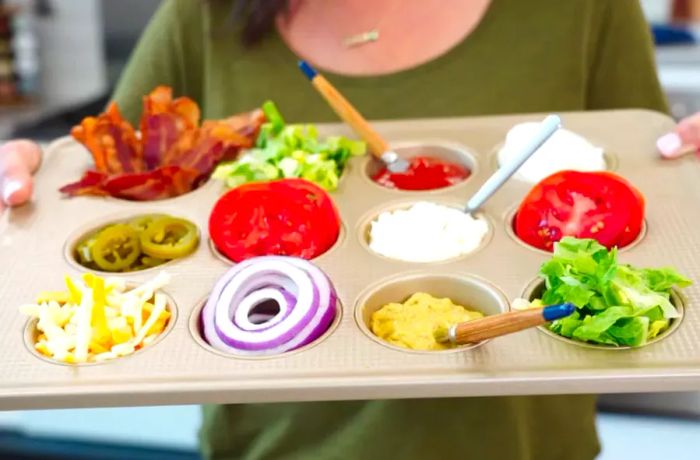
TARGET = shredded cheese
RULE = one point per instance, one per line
(98, 319)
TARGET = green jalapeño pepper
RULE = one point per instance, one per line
(149, 262)
(169, 238)
(115, 248)
(83, 250)
(141, 223)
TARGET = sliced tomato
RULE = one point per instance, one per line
(287, 217)
(316, 203)
(636, 222)
(598, 205)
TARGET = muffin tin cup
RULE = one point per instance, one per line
(535, 289)
(469, 291)
(207, 187)
(196, 331)
(612, 162)
(509, 226)
(30, 334)
(329, 253)
(364, 228)
(86, 230)
(443, 150)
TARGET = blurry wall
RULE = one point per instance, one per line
(123, 21)
(72, 53)
(72, 61)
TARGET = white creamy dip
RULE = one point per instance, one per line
(565, 150)
(426, 232)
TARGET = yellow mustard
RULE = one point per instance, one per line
(412, 324)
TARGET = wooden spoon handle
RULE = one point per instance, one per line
(505, 323)
(350, 115)
(496, 325)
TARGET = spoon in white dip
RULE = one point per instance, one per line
(548, 127)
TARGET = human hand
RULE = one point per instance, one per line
(19, 159)
(684, 139)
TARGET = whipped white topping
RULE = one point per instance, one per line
(426, 232)
(565, 150)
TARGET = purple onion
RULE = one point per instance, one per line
(306, 299)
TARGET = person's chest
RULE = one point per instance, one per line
(514, 63)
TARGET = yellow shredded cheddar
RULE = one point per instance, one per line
(75, 294)
(98, 319)
(55, 296)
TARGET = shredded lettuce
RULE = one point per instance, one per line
(283, 151)
(616, 304)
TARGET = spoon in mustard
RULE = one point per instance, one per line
(505, 323)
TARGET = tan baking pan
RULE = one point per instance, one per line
(346, 363)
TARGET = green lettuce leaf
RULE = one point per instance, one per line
(616, 304)
(284, 151)
(663, 279)
(567, 326)
(657, 327)
(631, 332)
(629, 287)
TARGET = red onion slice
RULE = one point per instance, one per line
(304, 294)
(248, 319)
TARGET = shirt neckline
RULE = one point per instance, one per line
(388, 78)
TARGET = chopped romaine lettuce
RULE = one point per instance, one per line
(283, 151)
(567, 326)
(616, 304)
(657, 327)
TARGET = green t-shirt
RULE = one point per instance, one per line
(524, 56)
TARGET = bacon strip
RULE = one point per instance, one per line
(90, 184)
(173, 155)
(111, 140)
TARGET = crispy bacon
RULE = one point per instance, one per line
(163, 182)
(89, 184)
(111, 140)
(168, 127)
(173, 155)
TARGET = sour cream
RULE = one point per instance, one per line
(426, 232)
(565, 150)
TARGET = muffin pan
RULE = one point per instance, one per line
(348, 362)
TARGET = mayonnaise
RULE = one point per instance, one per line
(565, 150)
(426, 232)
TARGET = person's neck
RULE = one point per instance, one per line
(410, 32)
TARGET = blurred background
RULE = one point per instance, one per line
(59, 60)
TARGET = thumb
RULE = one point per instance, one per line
(18, 159)
(16, 187)
(684, 139)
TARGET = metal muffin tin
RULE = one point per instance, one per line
(348, 363)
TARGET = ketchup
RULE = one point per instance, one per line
(423, 173)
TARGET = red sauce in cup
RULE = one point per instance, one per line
(424, 173)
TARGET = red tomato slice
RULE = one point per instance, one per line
(598, 205)
(287, 217)
(636, 222)
(316, 203)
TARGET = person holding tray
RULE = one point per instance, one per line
(392, 59)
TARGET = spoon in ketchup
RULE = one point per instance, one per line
(423, 173)
(548, 127)
(350, 115)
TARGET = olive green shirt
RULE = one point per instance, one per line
(524, 56)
